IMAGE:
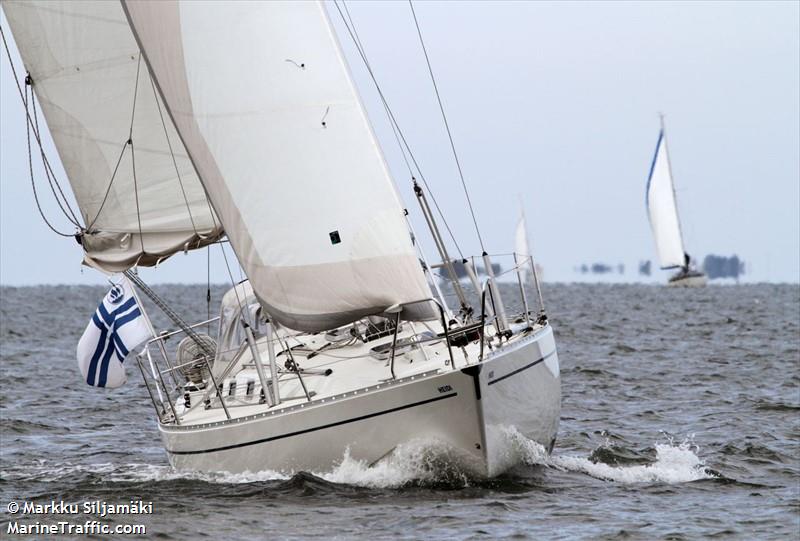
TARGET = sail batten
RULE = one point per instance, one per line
(87, 76)
(663, 210)
(275, 128)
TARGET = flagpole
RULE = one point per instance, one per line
(149, 323)
(154, 367)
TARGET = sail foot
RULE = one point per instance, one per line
(117, 252)
(328, 295)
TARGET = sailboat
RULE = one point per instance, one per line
(662, 209)
(522, 250)
(184, 125)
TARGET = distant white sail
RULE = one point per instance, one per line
(83, 60)
(663, 210)
(263, 100)
(521, 247)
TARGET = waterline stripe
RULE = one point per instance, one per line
(307, 430)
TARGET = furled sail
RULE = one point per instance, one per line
(96, 95)
(663, 209)
(262, 98)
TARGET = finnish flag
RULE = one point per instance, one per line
(116, 328)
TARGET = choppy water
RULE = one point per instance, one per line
(681, 420)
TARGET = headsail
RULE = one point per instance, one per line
(663, 209)
(522, 247)
(83, 60)
(262, 98)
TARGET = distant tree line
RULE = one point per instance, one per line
(461, 270)
(719, 266)
(601, 268)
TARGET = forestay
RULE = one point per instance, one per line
(663, 210)
(83, 60)
(262, 98)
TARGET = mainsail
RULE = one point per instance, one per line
(138, 194)
(262, 98)
(663, 210)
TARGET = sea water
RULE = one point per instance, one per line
(680, 420)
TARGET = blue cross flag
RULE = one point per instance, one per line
(117, 327)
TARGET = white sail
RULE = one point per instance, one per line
(83, 60)
(522, 248)
(262, 98)
(663, 210)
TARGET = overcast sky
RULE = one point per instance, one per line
(557, 103)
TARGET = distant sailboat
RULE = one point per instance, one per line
(528, 271)
(662, 209)
(522, 249)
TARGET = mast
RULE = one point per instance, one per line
(672, 181)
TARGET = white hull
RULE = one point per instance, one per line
(689, 281)
(466, 408)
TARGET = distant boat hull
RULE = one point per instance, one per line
(690, 279)
(470, 410)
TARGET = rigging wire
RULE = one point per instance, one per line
(208, 288)
(395, 124)
(125, 145)
(244, 313)
(447, 126)
(30, 122)
(108, 189)
(172, 155)
(175, 164)
(51, 178)
(133, 154)
(33, 183)
(136, 196)
(135, 94)
(360, 46)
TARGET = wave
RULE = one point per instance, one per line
(21, 426)
(129, 473)
(672, 463)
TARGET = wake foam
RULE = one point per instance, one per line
(674, 463)
(416, 463)
(421, 463)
